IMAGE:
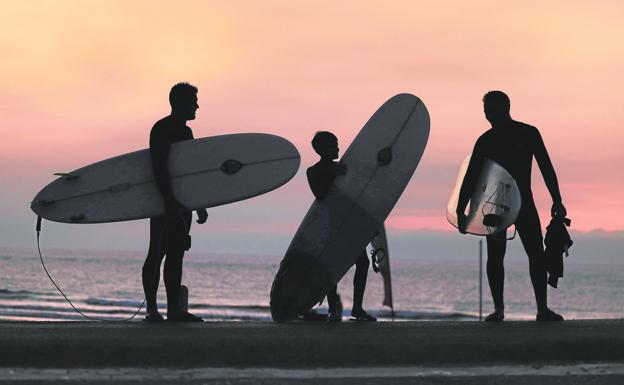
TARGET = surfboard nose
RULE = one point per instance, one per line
(300, 283)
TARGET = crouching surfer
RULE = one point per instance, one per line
(513, 145)
(169, 234)
(320, 177)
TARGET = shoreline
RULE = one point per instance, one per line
(608, 373)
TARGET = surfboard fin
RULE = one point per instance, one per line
(231, 166)
(384, 156)
(492, 220)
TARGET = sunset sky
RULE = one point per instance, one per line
(82, 81)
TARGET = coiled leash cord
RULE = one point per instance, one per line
(160, 238)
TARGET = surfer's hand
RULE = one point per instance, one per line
(461, 223)
(558, 209)
(202, 216)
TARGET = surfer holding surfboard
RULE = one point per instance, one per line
(336, 229)
(513, 145)
(320, 177)
(169, 234)
(164, 183)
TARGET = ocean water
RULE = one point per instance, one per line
(236, 287)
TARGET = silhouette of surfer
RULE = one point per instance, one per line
(320, 177)
(513, 145)
(169, 234)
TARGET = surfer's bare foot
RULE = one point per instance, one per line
(183, 316)
(497, 316)
(361, 315)
(334, 317)
(153, 317)
(548, 315)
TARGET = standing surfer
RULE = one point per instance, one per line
(169, 234)
(320, 177)
(513, 145)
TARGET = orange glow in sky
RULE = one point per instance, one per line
(82, 81)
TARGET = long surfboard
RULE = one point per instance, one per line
(379, 163)
(204, 172)
(494, 203)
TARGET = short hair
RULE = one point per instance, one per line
(321, 138)
(497, 98)
(181, 91)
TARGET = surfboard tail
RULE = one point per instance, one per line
(301, 282)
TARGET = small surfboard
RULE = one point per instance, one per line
(204, 172)
(380, 256)
(379, 164)
(494, 203)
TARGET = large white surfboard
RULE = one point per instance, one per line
(379, 163)
(204, 172)
(494, 203)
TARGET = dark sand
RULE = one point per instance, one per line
(298, 347)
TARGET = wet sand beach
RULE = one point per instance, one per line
(350, 352)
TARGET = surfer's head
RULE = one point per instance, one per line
(325, 144)
(183, 100)
(496, 107)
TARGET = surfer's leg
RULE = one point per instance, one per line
(332, 295)
(359, 280)
(175, 233)
(173, 268)
(359, 285)
(496, 247)
(530, 231)
(151, 267)
(172, 273)
(335, 305)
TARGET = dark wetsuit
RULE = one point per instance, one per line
(168, 235)
(320, 177)
(513, 146)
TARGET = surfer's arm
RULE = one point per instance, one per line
(548, 173)
(470, 179)
(159, 150)
(202, 214)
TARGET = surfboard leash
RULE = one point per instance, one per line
(38, 231)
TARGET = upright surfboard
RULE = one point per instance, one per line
(379, 164)
(494, 203)
(204, 172)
